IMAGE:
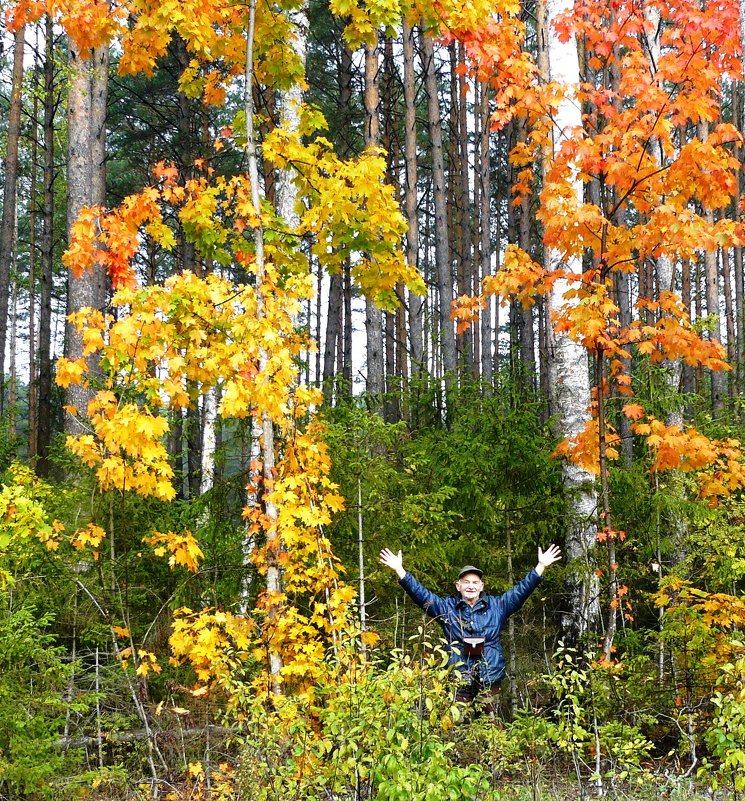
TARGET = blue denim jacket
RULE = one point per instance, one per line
(484, 619)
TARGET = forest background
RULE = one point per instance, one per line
(531, 214)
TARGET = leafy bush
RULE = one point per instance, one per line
(368, 731)
(33, 707)
(726, 734)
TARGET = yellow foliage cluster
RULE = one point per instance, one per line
(364, 20)
(214, 642)
(203, 333)
(125, 447)
(221, 785)
(705, 621)
(305, 500)
(352, 212)
(183, 549)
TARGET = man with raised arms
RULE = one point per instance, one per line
(472, 621)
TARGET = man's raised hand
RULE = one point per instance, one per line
(394, 561)
(547, 558)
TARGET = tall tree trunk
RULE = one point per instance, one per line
(10, 191)
(415, 302)
(487, 357)
(392, 350)
(478, 91)
(33, 387)
(210, 401)
(465, 269)
(348, 329)
(263, 425)
(444, 275)
(345, 343)
(525, 315)
(739, 321)
(718, 390)
(373, 315)
(738, 109)
(44, 425)
(334, 320)
(570, 388)
(687, 385)
(729, 316)
(186, 154)
(12, 406)
(86, 186)
(711, 263)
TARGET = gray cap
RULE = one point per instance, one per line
(470, 569)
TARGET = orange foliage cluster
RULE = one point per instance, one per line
(655, 182)
(717, 464)
(493, 35)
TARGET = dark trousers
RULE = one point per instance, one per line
(482, 696)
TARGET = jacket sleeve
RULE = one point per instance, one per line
(432, 604)
(515, 597)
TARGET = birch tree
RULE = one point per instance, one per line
(568, 367)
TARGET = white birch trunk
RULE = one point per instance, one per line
(209, 440)
(289, 103)
(568, 366)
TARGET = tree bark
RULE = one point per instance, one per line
(714, 325)
(729, 317)
(86, 180)
(10, 191)
(44, 425)
(487, 355)
(264, 427)
(373, 316)
(33, 387)
(444, 275)
(568, 368)
(416, 303)
(465, 271)
(739, 320)
(334, 320)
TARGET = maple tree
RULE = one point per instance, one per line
(193, 332)
(646, 209)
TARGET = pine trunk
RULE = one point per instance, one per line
(10, 191)
(444, 275)
(44, 419)
(86, 186)
(416, 303)
(487, 355)
(373, 315)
